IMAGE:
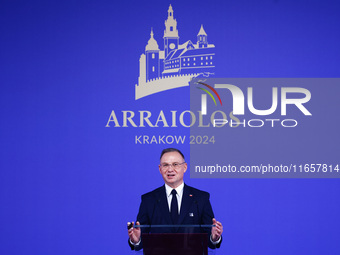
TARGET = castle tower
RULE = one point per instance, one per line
(202, 38)
(142, 70)
(170, 33)
(152, 58)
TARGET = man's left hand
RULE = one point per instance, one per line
(216, 231)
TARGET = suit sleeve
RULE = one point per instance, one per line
(143, 218)
(207, 216)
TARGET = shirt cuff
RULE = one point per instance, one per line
(218, 241)
(134, 244)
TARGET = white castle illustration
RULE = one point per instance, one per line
(177, 64)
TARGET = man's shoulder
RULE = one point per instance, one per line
(154, 193)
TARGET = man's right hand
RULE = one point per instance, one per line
(134, 233)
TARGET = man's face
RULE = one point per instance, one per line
(173, 176)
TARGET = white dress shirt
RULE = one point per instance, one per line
(179, 195)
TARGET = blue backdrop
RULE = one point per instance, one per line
(69, 184)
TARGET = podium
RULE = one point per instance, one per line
(175, 243)
(182, 240)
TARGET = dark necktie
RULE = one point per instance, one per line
(174, 207)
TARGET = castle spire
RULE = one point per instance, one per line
(202, 38)
(202, 32)
(152, 43)
(170, 11)
(171, 38)
(170, 24)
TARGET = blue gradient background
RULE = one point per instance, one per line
(68, 185)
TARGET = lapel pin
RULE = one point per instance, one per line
(190, 195)
(191, 214)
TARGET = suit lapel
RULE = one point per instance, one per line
(163, 203)
(187, 201)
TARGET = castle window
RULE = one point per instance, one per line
(210, 57)
(171, 28)
(201, 64)
(153, 69)
(210, 63)
(153, 55)
(206, 63)
(183, 59)
(183, 64)
(206, 57)
(194, 58)
(201, 58)
(188, 59)
(194, 64)
(188, 64)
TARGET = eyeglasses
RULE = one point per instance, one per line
(174, 165)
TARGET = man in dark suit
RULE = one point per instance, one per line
(175, 203)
